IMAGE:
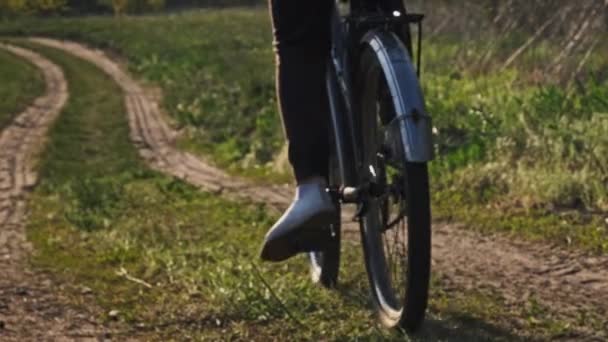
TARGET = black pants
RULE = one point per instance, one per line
(302, 44)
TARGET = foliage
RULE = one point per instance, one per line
(509, 31)
(119, 6)
(31, 6)
(538, 139)
(43, 7)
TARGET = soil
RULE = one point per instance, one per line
(32, 307)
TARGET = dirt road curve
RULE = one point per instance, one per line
(30, 308)
(154, 138)
(568, 284)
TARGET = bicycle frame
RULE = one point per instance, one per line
(356, 26)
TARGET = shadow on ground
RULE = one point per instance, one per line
(458, 326)
(463, 328)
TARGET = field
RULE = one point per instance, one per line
(178, 263)
(518, 154)
(508, 139)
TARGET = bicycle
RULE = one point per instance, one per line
(381, 138)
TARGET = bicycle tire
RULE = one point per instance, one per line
(376, 108)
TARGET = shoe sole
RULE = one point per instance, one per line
(313, 236)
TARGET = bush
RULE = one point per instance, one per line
(12, 8)
(16, 7)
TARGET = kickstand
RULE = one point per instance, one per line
(361, 210)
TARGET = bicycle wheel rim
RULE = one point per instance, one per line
(384, 290)
(396, 278)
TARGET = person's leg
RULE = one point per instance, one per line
(302, 43)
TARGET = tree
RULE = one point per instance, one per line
(121, 7)
(32, 6)
(48, 6)
(157, 5)
(606, 15)
(13, 6)
(88, 6)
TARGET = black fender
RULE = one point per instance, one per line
(340, 126)
(412, 121)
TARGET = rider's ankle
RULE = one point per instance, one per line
(313, 180)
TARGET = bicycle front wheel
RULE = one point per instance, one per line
(396, 221)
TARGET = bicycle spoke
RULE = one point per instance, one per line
(386, 234)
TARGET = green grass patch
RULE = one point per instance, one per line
(567, 227)
(177, 263)
(20, 84)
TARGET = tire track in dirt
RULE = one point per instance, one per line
(30, 305)
(155, 139)
(570, 285)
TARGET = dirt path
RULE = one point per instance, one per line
(571, 286)
(31, 308)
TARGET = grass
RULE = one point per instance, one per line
(226, 54)
(21, 84)
(527, 161)
(506, 139)
(176, 263)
